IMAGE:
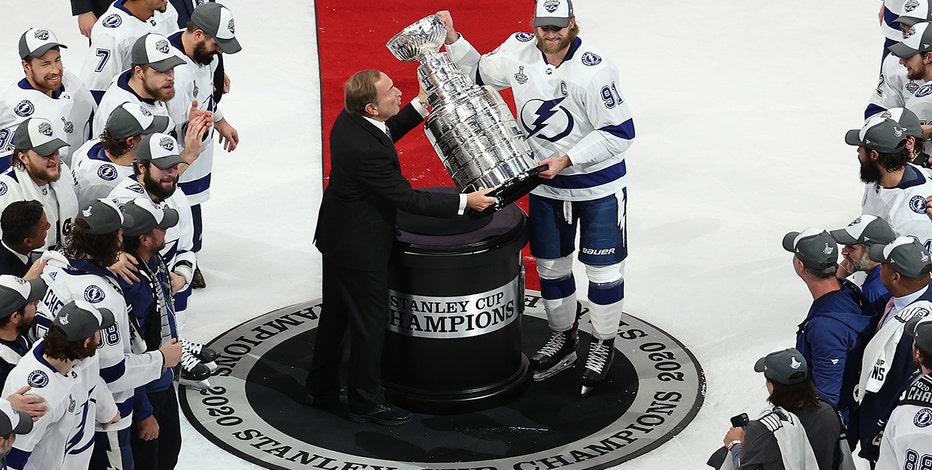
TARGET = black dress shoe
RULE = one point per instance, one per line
(385, 414)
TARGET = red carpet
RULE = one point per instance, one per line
(351, 37)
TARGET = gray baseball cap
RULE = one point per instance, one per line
(217, 21)
(79, 319)
(879, 133)
(37, 134)
(906, 118)
(920, 328)
(36, 42)
(160, 149)
(155, 51)
(146, 216)
(16, 292)
(132, 119)
(866, 230)
(914, 11)
(13, 421)
(813, 246)
(904, 254)
(785, 367)
(917, 39)
(553, 13)
(103, 216)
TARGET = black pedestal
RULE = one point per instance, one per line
(456, 298)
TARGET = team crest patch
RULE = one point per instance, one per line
(107, 172)
(24, 108)
(71, 404)
(37, 379)
(136, 188)
(112, 21)
(923, 91)
(524, 37)
(45, 129)
(917, 204)
(591, 59)
(923, 418)
(67, 125)
(254, 407)
(94, 294)
(231, 27)
(167, 144)
(197, 90)
(520, 77)
(41, 34)
(551, 5)
(3, 188)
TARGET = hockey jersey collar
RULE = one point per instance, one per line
(912, 176)
(123, 82)
(25, 85)
(37, 352)
(569, 54)
(96, 152)
(84, 266)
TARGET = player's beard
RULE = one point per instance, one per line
(44, 84)
(564, 43)
(44, 174)
(201, 55)
(155, 188)
(861, 263)
(870, 173)
(158, 94)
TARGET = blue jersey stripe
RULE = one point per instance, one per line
(114, 372)
(624, 130)
(197, 186)
(589, 180)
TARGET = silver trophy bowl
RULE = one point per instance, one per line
(470, 126)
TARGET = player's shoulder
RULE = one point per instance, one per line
(591, 58)
(126, 189)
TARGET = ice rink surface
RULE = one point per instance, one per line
(740, 109)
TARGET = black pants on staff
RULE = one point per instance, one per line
(356, 301)
(160, 453)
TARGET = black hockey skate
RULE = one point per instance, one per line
(555, 356)
(204, 354)
(598, 363)
(194, 373)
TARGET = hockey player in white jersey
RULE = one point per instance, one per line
(47, 91)
(896, 82)
(209, 33)
(907, 442)
(99, 165)
(37, 173)
(895, 190)
(578, 124)
(114, 33)
(13, 422)
(93, 244)
(156, 179)
(62, 369)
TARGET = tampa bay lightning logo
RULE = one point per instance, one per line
(94, 294)
(136, 188)
(918, 204)
(24, 108)
(107, 172)
(3, 188)
(112, 21)
(591, 59)
(37, 379)
(911, 5)
(546, 119)
(524, 37)
(923, 418)
(924, 90)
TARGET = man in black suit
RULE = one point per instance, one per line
(24, 227)
(355, 232)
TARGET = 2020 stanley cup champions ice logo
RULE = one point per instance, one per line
(254, 408)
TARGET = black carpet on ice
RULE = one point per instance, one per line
(546, 415)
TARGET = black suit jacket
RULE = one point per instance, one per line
(11, 264)
(356, 224)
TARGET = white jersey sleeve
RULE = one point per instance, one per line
(94, 173)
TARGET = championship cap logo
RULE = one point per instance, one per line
(63, 318)
(911, 5)
(86, 212)
(912, 30)
(167, 144)
(551, 5)
(45, 129)
(162, 46)
(20, 280)
(794, 363)
(898, 131)
(828, 249)
(144, 111)
(231, 27)
(42, 34)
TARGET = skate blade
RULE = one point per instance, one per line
(585, 391)
(211, 365)
(194, 384)
(561, 366)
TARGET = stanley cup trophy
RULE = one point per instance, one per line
(470, 126)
